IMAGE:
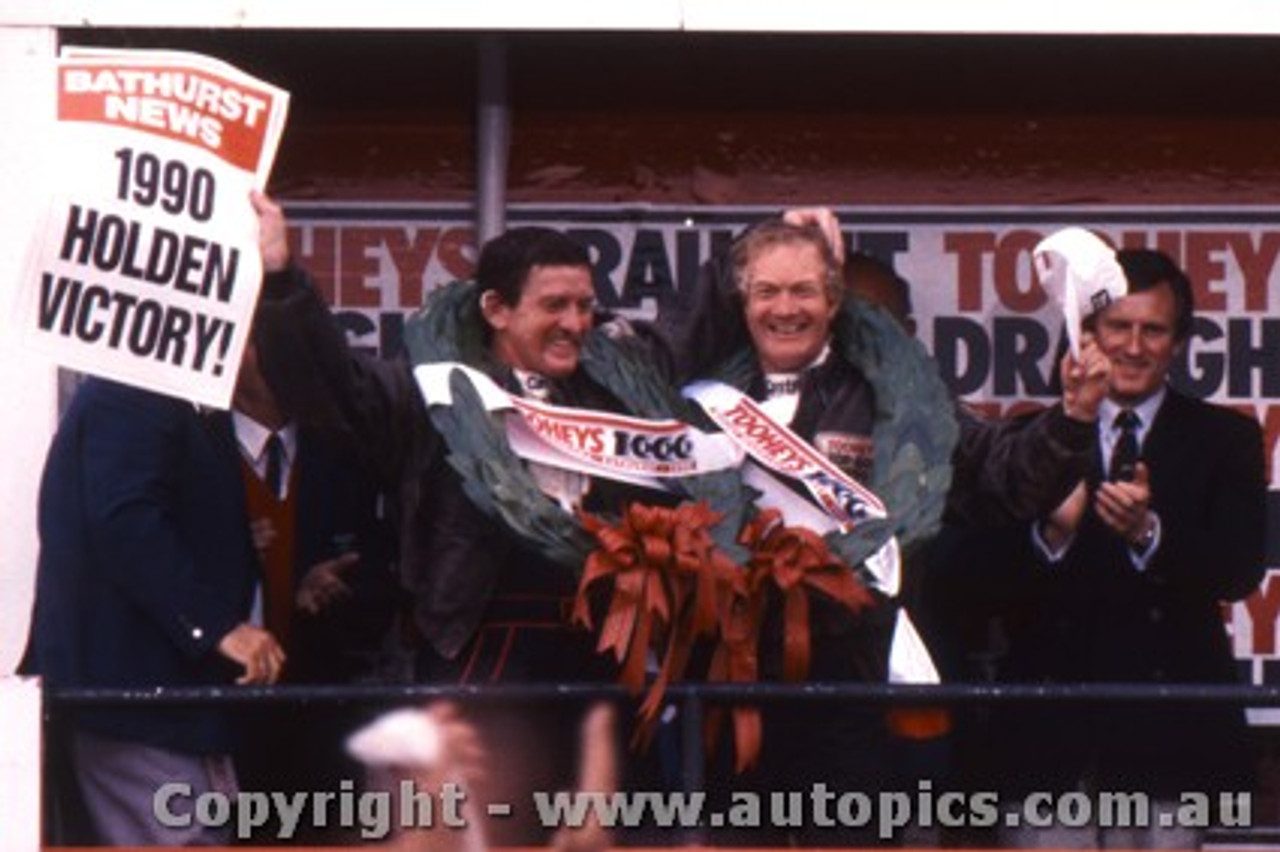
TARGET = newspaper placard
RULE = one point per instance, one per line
(147, 268)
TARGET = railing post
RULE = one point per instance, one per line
(693, 757)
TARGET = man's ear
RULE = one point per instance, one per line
(493, 309)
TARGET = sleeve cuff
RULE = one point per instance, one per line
(1049, 555)
(1141, 551)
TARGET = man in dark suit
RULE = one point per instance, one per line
(145, 578)
(1135, 565)
(327, 590)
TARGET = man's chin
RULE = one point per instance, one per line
(560, 369)
(787, 359)
(1131, 393)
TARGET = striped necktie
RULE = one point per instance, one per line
(1124, 458)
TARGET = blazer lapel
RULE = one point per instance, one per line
(1168, 443)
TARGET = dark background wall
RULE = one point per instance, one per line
(744, 119)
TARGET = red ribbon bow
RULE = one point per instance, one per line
(671, 585)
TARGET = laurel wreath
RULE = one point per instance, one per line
(914, 429)
(450, 328)
(914, 433)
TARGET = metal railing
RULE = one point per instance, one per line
(693, 701)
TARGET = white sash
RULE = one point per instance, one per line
(596, 443)
(842, 501)
(645, 452)
(843, 498)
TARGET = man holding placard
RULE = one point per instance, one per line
(145, 579)
(146, 270)
(146, 276)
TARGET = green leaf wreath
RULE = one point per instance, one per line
(914, 432)
(695, 571)
(450, 328)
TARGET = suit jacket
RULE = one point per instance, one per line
(336, 511)
(145, 561)
(1093, 617)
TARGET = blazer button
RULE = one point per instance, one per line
(197, 634)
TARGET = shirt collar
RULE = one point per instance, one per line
(1146, 411)
(532, 385)
(785, 384)
(252, 437)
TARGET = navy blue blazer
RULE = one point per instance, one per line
(1093, 617)
(145, 561)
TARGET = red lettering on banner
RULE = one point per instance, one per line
(1020, 293)
(411, 259)
(1263, 606)
(358, 265)
(1256, 262)
(589, 439)
(739, 414)
(969, 248)
(188, 104)
(1012, 273)
(1205, 266)
(1133, 239)
(1204, 260)
(776, 447)
(340, 259)
(768, 440)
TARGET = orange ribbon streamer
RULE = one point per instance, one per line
(672, 586)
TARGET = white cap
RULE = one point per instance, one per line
(1080, 273)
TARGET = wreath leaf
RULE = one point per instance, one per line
(449, 328)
